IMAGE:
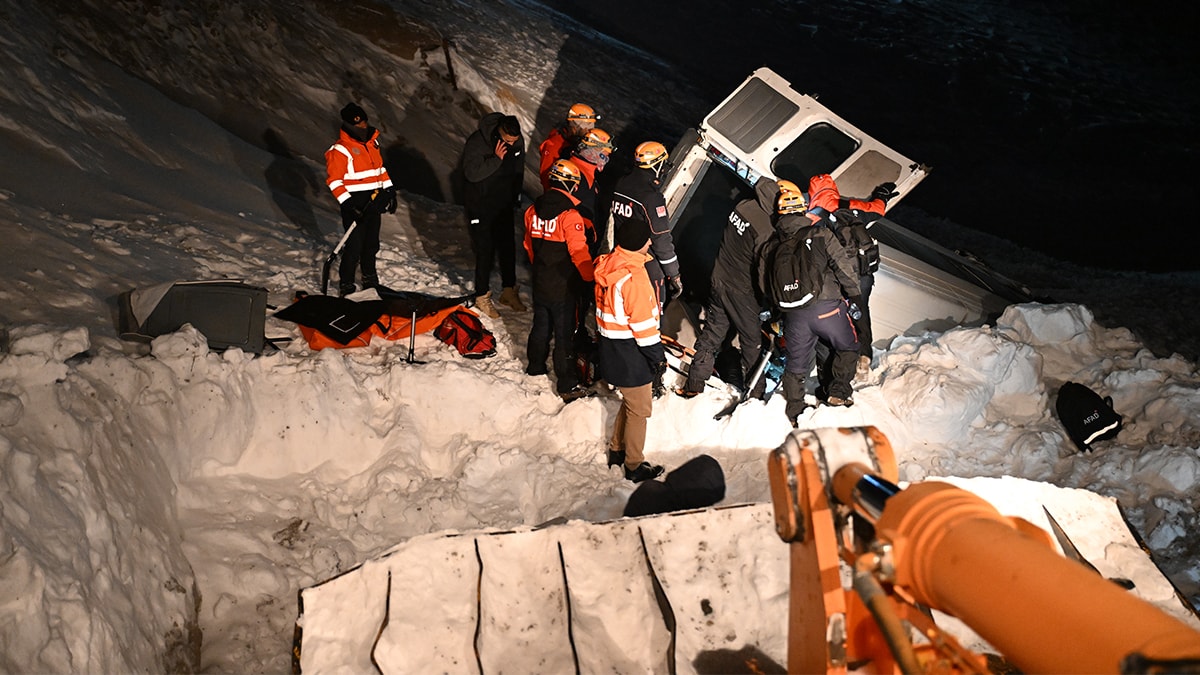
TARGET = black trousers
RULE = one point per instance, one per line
(727, 308)
(493, 237)
(555, 320)
(823, 320)
(361, 248)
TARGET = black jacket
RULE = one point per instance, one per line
(742, 243)
(637, 197)
(492, 184)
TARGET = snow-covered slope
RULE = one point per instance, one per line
(150, 141)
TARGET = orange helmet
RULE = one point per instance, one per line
(791, 202)
(565, 173)
(582, 112)
(787, 186)
(597, 138)
(650, 155)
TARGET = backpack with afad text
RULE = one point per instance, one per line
(794, 275)
(853, 233)
(463, 330)
(1087, 416)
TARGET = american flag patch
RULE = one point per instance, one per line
(661, 211)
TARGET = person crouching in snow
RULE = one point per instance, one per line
(630, 347)
(562, 270)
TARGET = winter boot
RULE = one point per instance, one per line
(575, 393)
(484, 304)
(510, 299)
(793, 393)
(644, 471)
(864, 368)
(372, 281)
(345, 289)
(616, 457)
(839, 401)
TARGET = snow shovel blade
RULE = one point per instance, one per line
(759, 371)
(1071, 552)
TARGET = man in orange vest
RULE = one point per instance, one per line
(630, 347)
(359, 181)
(562, 271)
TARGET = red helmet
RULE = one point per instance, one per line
(565, 173)
(650, 155)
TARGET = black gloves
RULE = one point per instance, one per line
(674, 288)
(389, 200)
(656, 385)
(884, 191)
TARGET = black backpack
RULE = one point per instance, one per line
(794, 275)
(853, 233)
(1086, 415)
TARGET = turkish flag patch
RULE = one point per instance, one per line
(661, 211)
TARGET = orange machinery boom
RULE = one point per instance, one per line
(937, 546)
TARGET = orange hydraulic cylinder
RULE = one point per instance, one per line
(1045, 613)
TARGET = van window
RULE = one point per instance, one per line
(820, 149)
(752, 115)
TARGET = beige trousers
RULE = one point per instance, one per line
(629, 428)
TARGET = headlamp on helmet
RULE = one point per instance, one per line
(566, 174)
(791, 202)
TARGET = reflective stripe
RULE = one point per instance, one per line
(643, 325)
(669, 260)
(615, 334)
(648, 340)
(797, 303)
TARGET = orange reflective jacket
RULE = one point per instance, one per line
(626, 304)
(355, 166)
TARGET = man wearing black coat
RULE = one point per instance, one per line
(735, 298)
(493, 165)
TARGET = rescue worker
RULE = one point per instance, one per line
(562, 271)
(493, 166)
(638, 196)
(826, 316)
(860, 248)
(563, 138)
(630, 347)
(591, 155)
(736, 301)
(360, 182)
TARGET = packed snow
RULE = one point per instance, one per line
(153, 492)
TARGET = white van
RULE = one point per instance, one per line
(766, 128)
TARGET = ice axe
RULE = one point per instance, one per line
(342, 243)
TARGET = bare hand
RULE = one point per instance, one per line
(501, 148)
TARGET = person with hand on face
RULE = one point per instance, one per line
(493, 166)
(630, 346)
(359, 181)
